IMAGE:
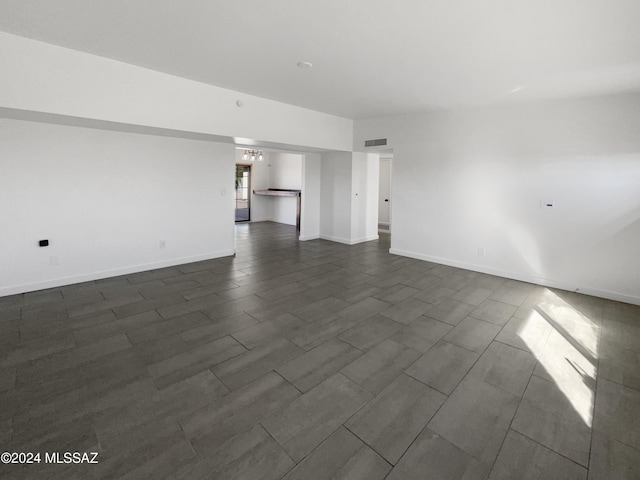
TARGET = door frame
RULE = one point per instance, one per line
(388, 158)
(249, 191)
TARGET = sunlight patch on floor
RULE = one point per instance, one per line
(569, 356)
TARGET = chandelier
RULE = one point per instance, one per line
(252, 155)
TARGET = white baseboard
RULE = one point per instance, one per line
(349, 241)
(545, 282)
(332, 238)
(274, 220)
(365, 239)
(88, 277)
(304, 238)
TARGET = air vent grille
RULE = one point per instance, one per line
(378, 142)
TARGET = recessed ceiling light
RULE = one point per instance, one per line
(516, 90)
(305, 65)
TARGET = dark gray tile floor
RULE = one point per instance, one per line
(317, 360)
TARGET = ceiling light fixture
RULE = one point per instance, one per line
(252, 155)
(304, 65)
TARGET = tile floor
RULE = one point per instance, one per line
(317, 360)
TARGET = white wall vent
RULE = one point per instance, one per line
(378, 142)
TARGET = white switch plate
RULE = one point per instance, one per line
(163, 244)
(54, 260)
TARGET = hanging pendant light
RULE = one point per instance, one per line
(252, 155)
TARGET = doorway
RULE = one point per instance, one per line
(243, 193)
(384, 195)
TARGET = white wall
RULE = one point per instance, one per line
(311, 191)
(335, 196)
(104, 200)
(474, 179)
(364, 197)
(286, 170)
(39, 77)
(277, 170)
(285, 173)
(349, 197)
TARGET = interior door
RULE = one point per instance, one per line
(384, 194)
(243, 193)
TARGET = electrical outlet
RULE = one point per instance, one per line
(163, 244)
(481, 251)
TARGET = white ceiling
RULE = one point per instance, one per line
(370, 57)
